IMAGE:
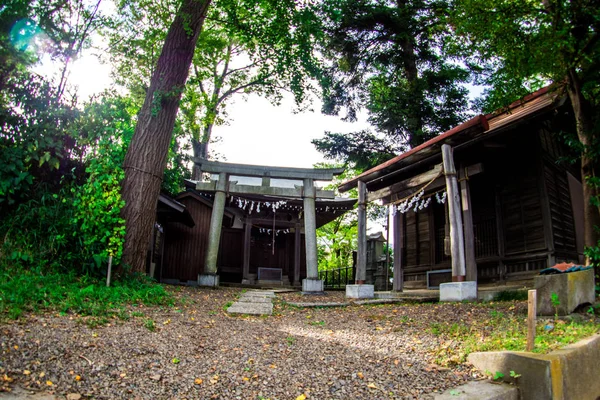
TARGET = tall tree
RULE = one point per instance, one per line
(523, 45)
(146, 156)
(246, 47)
(389, 57)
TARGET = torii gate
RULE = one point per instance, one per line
(223, 186)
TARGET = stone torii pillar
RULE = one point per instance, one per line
(360, 290)
(210, 277)
(312, 283)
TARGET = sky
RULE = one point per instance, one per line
(257, 132)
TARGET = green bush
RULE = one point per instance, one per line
(30, 290)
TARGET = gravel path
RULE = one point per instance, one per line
(197, 351)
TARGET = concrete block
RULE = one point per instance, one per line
(360, 291)
(458, 291)
(534, 381)
(251, 308)
(569, 373)
(480, 390)
(572, 288)
(312, 285)
(209, 280)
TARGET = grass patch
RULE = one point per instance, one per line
(511, 295)
(24, 291)
(504, 332)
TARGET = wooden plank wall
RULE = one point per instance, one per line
(185, 248)
(522, 219)
(563, 225)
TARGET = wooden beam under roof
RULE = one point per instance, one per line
(411, 182)
(406, 189)
(267, 171)
(234, 188)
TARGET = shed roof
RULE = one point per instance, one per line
(477, 127)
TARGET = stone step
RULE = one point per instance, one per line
(480, 390)
(251, 308)
(254, 299)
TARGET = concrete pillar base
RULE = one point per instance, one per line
(312, 285)
(458, 291)
(210, 280)
(360, 291)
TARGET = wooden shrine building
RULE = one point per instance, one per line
(520, 205)
(263, 234)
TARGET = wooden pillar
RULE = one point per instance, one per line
(467, 215)
(398, 249)
(216, 221)
(457, 246)
(297, 249)
(361, 262)
(247, 241)
(310, 230)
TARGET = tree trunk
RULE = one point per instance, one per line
(146, 156)
(583, 121)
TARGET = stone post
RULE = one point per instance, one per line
(360, 290)
(246, 261)
(458, 289)
(210, 277)
(297, 249)
(312, 283)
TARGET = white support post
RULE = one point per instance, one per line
(312, 283)
(246, 260)
(360, 290)
(361, 257)
(210, 277)
(458, 289)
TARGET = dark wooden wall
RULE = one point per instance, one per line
(185, 248)
(521, 205)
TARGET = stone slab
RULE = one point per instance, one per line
(309, 305)
(209, 280)
(398, 300)
(254, 299)
(267, 282)
(458, 291)
(360, 291)
(480, 390)
(573, 289)
(259, 293)
(251, 308)
(312, 285)
(569, 373)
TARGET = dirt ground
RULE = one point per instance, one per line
(197, 351)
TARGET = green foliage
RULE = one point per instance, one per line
(511, 295)
(504, 332)
(150, 325)
(33, 290)
(389, 58)
(98, 202)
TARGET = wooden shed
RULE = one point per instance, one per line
(522, 203)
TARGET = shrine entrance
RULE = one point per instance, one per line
(279, 210)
